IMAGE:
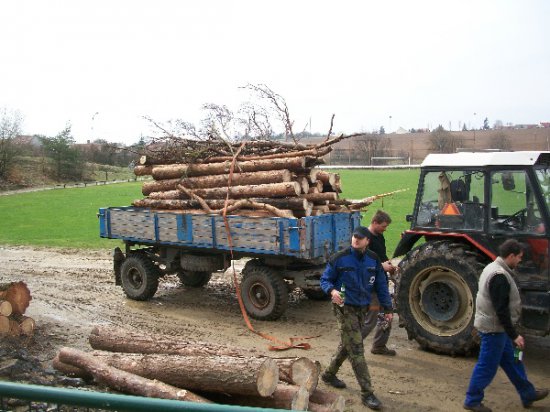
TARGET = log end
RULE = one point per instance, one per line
(268, 377)
(339, 405)
(305, 373)
(301, 400)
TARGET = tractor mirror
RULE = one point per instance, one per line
(508, 181)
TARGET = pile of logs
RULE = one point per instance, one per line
(15, 298)
(274, 179)
(170, 368)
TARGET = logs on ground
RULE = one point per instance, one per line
(15, 298)
(173, 368)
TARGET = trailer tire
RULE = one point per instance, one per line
(264, 292)
(139, 276)
(194, 278)
(436, 296)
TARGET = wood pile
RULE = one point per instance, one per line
(171, 368)
(15, 298)
(259, 178)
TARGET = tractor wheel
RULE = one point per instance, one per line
(139, 276)
(264, 292)
(436, 296)
(193, 278)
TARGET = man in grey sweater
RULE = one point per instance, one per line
(498, 308)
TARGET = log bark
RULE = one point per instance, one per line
(4, 325)
(313, 152)
(338, 406)
(242, 192)
(204, 182)
(312, 197)
(18, 294)
(15, 329)
(176, 171)
(124, 381)
(5, 308)
(226, 374)
(293, 203)
(299, 371)
(70, 370)
(326, 397)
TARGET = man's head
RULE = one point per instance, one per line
(512, 252)
(379, 222)
(360, 241)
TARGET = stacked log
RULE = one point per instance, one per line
(15, 298)
(272, 172)
(172, 368)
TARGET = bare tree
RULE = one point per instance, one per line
(443, 141)
(372, 145)
(500, 140)
(10, 128)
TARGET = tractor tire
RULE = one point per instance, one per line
(194, 279)
(139, 277)
(263, 291)
(436, 296)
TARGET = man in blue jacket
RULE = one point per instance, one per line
(361, 272)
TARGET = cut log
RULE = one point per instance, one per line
(321, 208)
(290, 397)
(14, 329)
(226, 374)
(292, 203)
(176, 171)
(18, 294)
(312, 197)
(299, 371)
(26, 324)
(302, 372)
(242, 192)
(70, 370)
(143, 170)
(5, 308)
(326, 397)
(124, 381)
(326, 177)
(4, 325)
(337, 406)
(303, 184)
(313, 152)
(204, 182)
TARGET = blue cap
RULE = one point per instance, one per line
(361, 231)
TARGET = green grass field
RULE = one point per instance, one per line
(68, 217)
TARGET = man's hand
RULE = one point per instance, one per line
(389, 317)
(388, 267)
(520, 342)
(335, 297)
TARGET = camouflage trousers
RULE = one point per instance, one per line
(350, 322)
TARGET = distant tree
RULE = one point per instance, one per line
(443, 141)
(500, 140)
(464, 128)
(498, 125)
(372, 145)
(382, 130)
(65, 157)
(486, 124)
(10, 128)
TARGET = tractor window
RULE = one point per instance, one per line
(452, 199)
(513, 205)
(543, 178)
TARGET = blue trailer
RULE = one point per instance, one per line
(285, 252)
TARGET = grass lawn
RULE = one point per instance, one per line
(68, 217)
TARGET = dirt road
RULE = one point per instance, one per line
(73, 290)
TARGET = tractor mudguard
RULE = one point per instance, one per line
(406, 243)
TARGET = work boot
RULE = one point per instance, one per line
(478, 408)
(332, 380)
(383, 350)
(371, 401)
(539, 394)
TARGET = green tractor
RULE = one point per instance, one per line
(466, 205)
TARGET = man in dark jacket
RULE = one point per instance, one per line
(498, 308)
(360, 271)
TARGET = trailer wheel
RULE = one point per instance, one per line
(436, 296)
(264, 292)
(194, 279)
(139, 276)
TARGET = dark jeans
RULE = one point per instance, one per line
(496, 350)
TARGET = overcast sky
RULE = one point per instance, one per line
(102, 65)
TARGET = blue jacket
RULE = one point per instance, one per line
(361, 274)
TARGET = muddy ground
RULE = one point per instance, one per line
(73, 290)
